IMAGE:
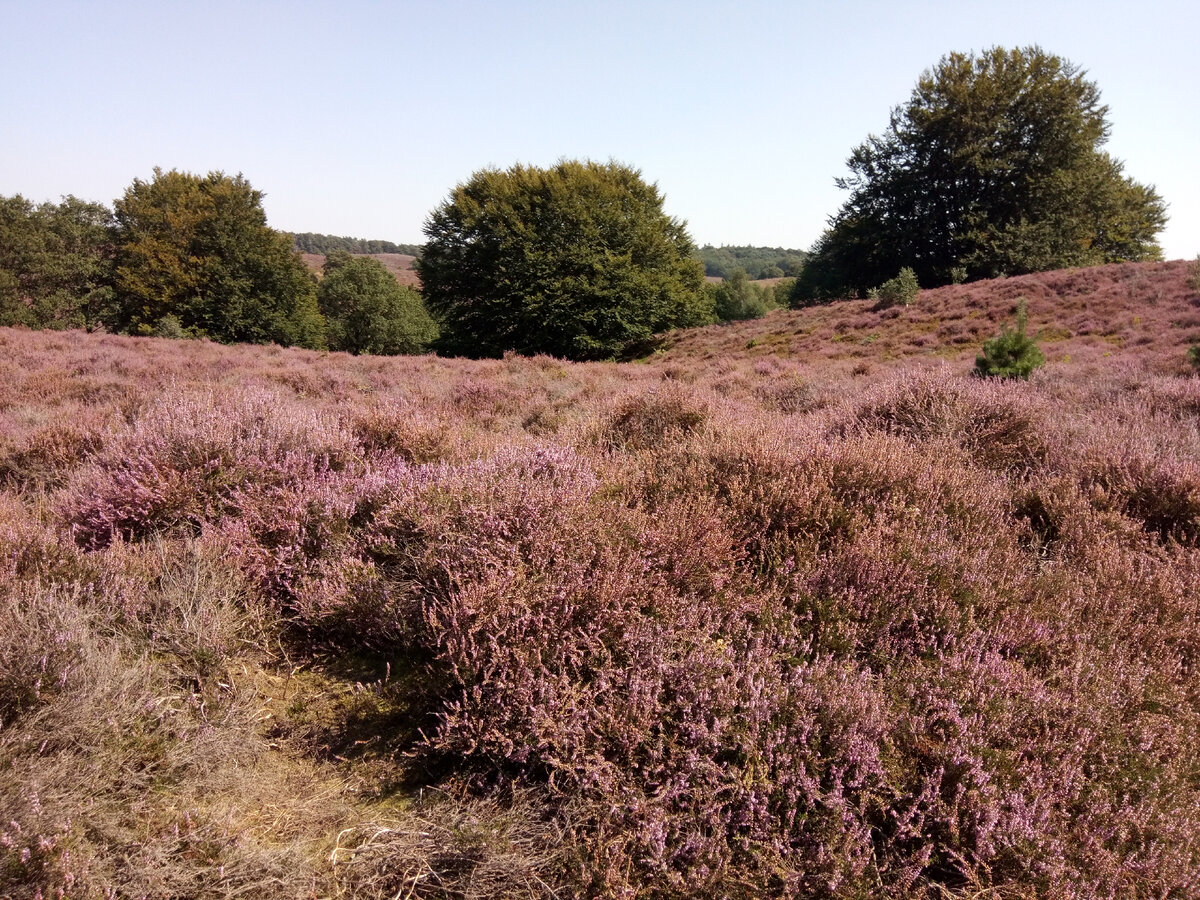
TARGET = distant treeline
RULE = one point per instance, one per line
(756, 262)
(308, 242)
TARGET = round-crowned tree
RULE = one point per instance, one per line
(367, 311)
(577, 261)
(196, 251)
(993, 167)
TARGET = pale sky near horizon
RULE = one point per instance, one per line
(357, 118)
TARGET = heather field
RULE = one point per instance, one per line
(793, 607)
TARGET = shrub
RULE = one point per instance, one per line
(1000, 429)
(738, 298)
(169, 326)
(192, 459)
(1012, 353)
(404, 430)
(47, 455)
(646, 420)
(898, 291)
(1155, 486)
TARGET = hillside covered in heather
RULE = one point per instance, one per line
(792, 607)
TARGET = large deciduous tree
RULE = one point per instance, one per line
(578, 261)
(198, 249)
(368, 311)
(55, 263)
(993, 167)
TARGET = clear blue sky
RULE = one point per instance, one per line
(357, 118)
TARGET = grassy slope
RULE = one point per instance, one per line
(399, 264)
(1141, 311)
(968, 611)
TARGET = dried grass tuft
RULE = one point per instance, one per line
(471, 849)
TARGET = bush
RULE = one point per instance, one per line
(898, 291)
(169, 326)
(738, 298)
(192, 460)
(367, 311)
(645, 421)
(1000, 429)
(1012, 353)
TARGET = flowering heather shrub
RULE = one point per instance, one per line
(929, 636)
(1178, 398)
(47, 455)
(33, 551)
(1156, 487)
(485, 400)
(787, 394)
(582, 657)
(1000, 426)
(624, 656)
(404, 430)
(611, 654)
(646, 420)
(190, 459)
(333, 549)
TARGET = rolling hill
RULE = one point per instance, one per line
(399, 264)
(792, 607)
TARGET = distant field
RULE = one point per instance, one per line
(399, 264)
(792, 607)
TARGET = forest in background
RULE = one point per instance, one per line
(757, 262)
(312, 242)
(719, 262)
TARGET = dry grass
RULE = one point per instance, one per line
(468, 849)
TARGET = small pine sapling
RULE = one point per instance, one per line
(1012, 353)
(898, 291)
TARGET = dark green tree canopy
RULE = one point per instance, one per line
(578, 260)
(367, 311)
(198, 249)
(993, 167)
(55, 263)
(737, 297)
(312, 242)
(756, 262)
